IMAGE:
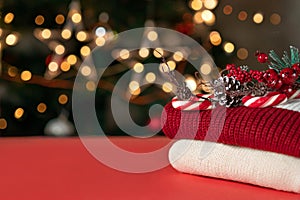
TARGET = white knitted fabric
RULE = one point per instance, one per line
(262, 168)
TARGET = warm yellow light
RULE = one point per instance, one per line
(3, 123)
(46, 33)
(9, 17)
(19, 112)
(39, 20)
(1, 31)
(76, 18)
(158, 52)
(167, 87)
(100, 41)
(152, 35)
(208, 17)
(134, 85)
(41, 108)
(81, 36)
(178, 56)
(171, 64)
(26, 75)
(124, 54)
(63, 99)
(227, 10)
(198, 17)
(215, 38)
(86, 71)
(196, 4)
(242, 15)
(11, 39)
(205, 69)
(210, 4)
(53, 66)
(65, 66)
(66, 34)
(242, 53)
(191, 83)
(275, 19)
(12, 71)
(85, 51)
(138, 67)
(59, 49)
(228, 47)
(59, 19)
(144, 52)
(72, 59)
(135, 92)
(90, 86)
(258, 18)
(150, 77)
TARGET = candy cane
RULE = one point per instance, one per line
(195, 103)
(270, 99)
(295, 94)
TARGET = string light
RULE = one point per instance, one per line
(205, 69)
(59, 49)
(86, 71)
(81, 36)
(167, 87)
(26, 75)
(242, 53)
(210, 4)
(242, 15)
(152, 36)
(198, 17)
(208, 17)
(9, 17)
(11, 39)
(100, 32)
(196, 4)
(158, 52)
(143, 52)
(228, 47)
(100, 41)
(53, 66)
(85, 51)
(124, 54)
(66, 34)
(90, 86)
(12, 71)
(19, 112)
(191, 83)
(65, 66)
(134, 85)
(258, 18)
(63, 99)
(275, 19)
(72, 59)
(178, 56)
(215, 38)
(3, 123)
(171, 64)
(150, 77)
(227, 10)
(76, 18)
(46, 33)
(138, 67)
(39, 20)
(59, 19)
(41, 108)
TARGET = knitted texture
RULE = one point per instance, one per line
(241, 164)
(270, 129)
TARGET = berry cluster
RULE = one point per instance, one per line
(283, 80)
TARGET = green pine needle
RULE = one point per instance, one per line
(286, 60)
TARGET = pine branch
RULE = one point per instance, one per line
(294, 55)
(278, 64)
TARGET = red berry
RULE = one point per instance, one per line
(230, 66)
(262, 57)
(288, 76)
(296, 67)
(272, 79)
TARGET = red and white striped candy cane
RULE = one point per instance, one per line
(270, 99)
(195, 103)
(295, 94)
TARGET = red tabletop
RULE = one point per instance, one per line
(62, 168)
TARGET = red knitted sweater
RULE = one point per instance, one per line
(269, 129)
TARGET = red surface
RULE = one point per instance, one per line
(61, 168)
